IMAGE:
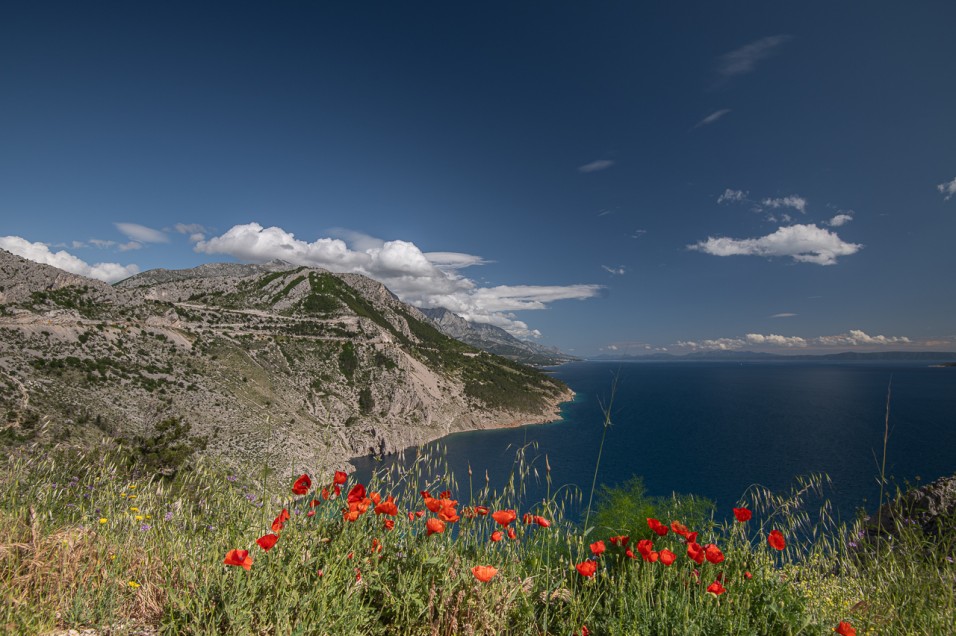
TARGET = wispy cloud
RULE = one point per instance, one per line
(423, 279)
(948, 189)
(732, 196)
(711, 118)
(195, 231)
(616, 271)
(841, 219)
(142, 233)
(41, 253)
(785, 314)
(638, 233)
(595, 166)
(852, 338)
(803, 243)
(744, 60)
(794, 201)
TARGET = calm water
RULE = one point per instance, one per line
(714, 428)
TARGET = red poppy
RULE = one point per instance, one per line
(310, 513)
(620, 540)
(645, 547)
(481, 510)
(716, 588)
(387, 507)
(845, 629)
(419, 514)
(376, 546)
(742, 514)
(375, 497)
(586, 568)
(657, 526)
(279, 521)
(339, 477)
(434, 525)
(776, 540)
(630, 554)
(302, 485)
(351, 514)
(690, 537)
(585, 631)
(358, 575)
(497, 536)
(389, 524)
(314, 503)
(267, 541)
(679, 528)
(238, 557)
(695, 552)
(445, 494)
(325, 493)
(511, 534)
(713, 553)
(527, 518)
(541, 521)
(667, 557)
(433, 504)
(598, 548)
(504, 517)
(748, 575)
(411, 516)
(484, 573)
(357, 494)
(447, 512)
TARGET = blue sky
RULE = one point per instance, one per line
(601, 176)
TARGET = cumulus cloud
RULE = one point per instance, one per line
(711, 118)
(595, 166)
(948, 189)
(732, 196)
(744, 60)
(41, 253)
(803, 243)
(841, 219)
(423, 279)
(852, 338)
(798, 203)
(142, 233)
(617, 271)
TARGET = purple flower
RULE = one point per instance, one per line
(852, 544)
(232, 478)
(145, 527)
(168, 516)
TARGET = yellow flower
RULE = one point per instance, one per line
(132, 496)
(132, 487)
(123, 494)
(112, 557)
(133, 584)
(149, 516)
(139, 517)
(134, 509)
(103, 520)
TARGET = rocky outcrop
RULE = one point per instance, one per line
(931, 507)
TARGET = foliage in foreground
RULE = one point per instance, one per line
(88, 541)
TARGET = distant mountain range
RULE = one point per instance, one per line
(294, 367)
(755, 355)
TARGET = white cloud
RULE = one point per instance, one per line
(617, 271)
(40, 253)
(711, 118)
(422, 279)
(78, 245)
(595, 166)
(195, 238)
(793, 201)
(949, 189)
(803, 243)
(841, 219)
(855, 337)
(132, 245)
(142, 233)
(775, 340)
(638, 233)
(743, 60)
(190, 228)
(732, 196)
(100, 243)
(785, 314)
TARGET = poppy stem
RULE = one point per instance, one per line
(886, 438)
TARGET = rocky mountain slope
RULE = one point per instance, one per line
(494, 339)
(297, 368)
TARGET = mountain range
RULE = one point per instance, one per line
(293, 367)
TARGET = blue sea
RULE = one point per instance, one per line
(715, 428)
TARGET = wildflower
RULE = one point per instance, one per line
(695, 552)
(586, 568)
(356, 494)
(690, 537)
(620, 540)
(667, 557)
(132, 496)
(376, 546)
(630, 554)
(504, 517)
(145, 527)
(542, 522)
(267, 541)
(481, 510)
(597, 548)
(339, 477)
(411, 516)
(315, 503)
(103, 520)
(434, 525)
(484, 573)
(497, 536)
(511, 534)
(679, 528)
(748, 575)
(447, 512)
(585, 631)
(134, 509)
(776, 540)
(716, 588)
(358, 575)
(645, 547)
(656, 526)
(240, 558)
(279, 521)
(139, 517)
(713, 553)
(845, 629)
(527, 518)
(232, 478)
(133, 584)
(301, 485)
(742, 514)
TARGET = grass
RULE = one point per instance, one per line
(88, 540)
